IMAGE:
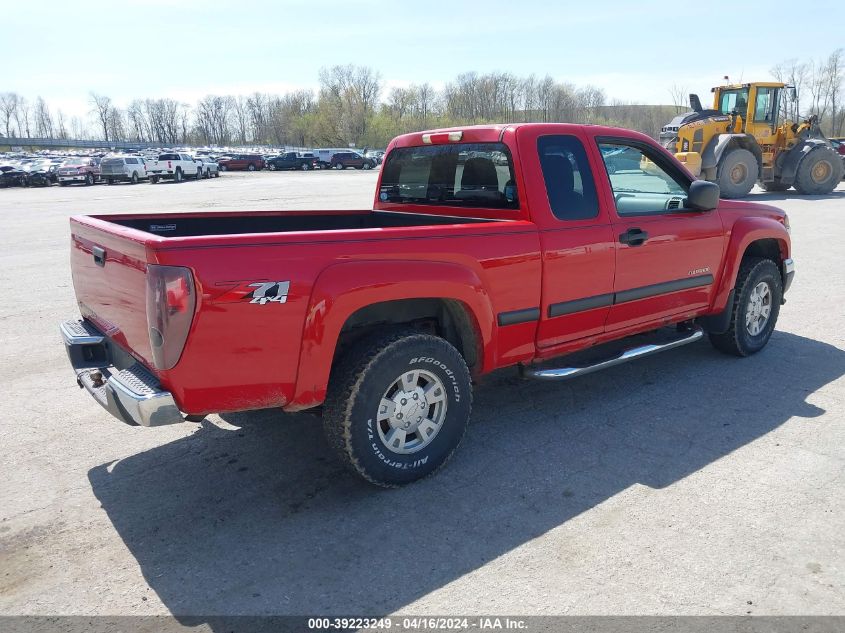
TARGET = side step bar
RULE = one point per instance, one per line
(565, 373)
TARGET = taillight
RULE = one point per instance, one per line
(168, 164)
(171, 300)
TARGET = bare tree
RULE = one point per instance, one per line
(9, 103)
(101, 108)
(679, 94)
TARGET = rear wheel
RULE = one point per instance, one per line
(89, 179)
(271, 166)
(153, 180)
(819, 172)
(737, 173)
(397, 407)
(134, 177)
(251, 167)
(109, 181)
(177, 177)
(367, 166)
(304, 167)
(198, 175)
(222, 168)
(757, 299)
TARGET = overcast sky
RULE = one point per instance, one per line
(633, 50)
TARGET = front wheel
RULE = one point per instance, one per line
(819, 172)
(177, 177)
(222, 168)
(757, 299)
(304, 167)
(398, 406)
(737, 173)
(251, 167)
(89, 180)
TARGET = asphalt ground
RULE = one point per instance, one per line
(684, 483)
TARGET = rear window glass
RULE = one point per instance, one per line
(569, 182)
(109, 162)
(169, 157)
(457, 174)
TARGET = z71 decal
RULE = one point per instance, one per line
(258, 292)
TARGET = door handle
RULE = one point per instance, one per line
(633, 237)
(99, 255)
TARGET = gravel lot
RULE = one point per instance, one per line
(686, 483)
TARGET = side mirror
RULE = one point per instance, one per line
(703, 195)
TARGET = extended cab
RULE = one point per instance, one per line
(486, 247)
(173, 166)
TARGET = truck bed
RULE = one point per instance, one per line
(190, 225)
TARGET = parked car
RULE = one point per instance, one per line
(350, 311)
(249, 162)
(84, 170)
(123, 169)
(342, 160)
(173, 166)
(292, 160)
(40, 173)
(12, 176)
(208, 167)
(376, 155)
(324, 157)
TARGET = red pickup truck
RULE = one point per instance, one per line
(559, 249)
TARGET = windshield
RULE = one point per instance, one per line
(458, 174)
(730, 100)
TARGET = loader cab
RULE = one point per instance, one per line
(756, 103)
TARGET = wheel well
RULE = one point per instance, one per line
(746, 141)
(447, 318)
(768, 249)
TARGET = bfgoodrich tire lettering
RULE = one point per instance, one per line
(354, 405)
(738, 339)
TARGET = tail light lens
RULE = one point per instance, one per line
(169, 166)
(171, 300)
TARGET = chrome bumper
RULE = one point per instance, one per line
(132, 393)
(788, 273)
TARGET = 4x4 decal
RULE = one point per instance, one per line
(250, 291)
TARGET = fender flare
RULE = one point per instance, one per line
(344, 288)
(718, 145)
(791, 160)
(744, 232)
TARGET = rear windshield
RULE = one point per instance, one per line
(107, 162)
(169, 157)
(458, 174)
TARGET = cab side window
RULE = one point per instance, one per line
(640, 184)
(569, 181)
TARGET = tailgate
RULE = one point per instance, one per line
(109, 276)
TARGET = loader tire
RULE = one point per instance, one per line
(737, 173)
(819, 172)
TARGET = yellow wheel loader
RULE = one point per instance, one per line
(744, 139)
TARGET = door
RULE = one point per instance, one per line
(575, 239)
(666, 255)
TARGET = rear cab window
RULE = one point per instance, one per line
(569, 182)
(457, 174)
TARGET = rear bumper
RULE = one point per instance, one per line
(121, 385)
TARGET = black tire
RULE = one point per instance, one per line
(737, 173)
(222, 167)
(134, 179)
(271, 166)
(198, 175)
(61, 184)
(773, 186)
(109, 181)
(367, 166)
(368, 371)
(737, 340)
(819, 172)
(217, 174)
(251, 167)
(153, 180)
(177, 176)
(89, 179)
(304, 167)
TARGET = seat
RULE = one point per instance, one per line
(560, 183)
(479, 181)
